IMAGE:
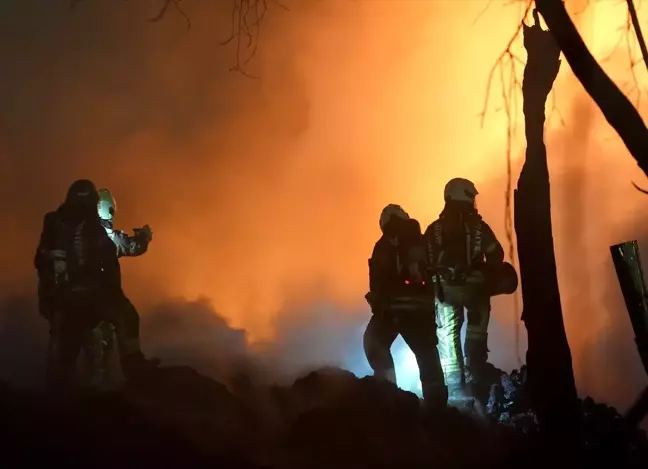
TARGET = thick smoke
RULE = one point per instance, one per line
(264, 194)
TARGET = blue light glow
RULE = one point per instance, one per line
(407, 372)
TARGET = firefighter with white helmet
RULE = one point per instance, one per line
(402, 303)
(461, 249)
(127, 321)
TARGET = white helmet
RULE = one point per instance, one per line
(392, 210)
(106, 206)
(460, 190)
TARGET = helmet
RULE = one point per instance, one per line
(392, 210)
(106, 206)
(502, 280)
(82, 192)
(460, 190)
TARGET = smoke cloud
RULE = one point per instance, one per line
(264, 194)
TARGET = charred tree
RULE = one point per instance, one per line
(629, 270)
(626, 121)
(551, 378)
(617, 109)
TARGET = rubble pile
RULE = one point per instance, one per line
(507, 401)
(328, 418)
(606, 436)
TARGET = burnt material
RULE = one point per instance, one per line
(328, 418)
(627, 263)
(629, 270)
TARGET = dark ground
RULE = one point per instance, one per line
(329, 418)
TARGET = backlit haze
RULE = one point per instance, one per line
(264, 194)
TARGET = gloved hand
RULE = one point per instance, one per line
(145, 232)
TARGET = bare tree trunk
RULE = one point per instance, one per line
(617, 109)
(551, 378)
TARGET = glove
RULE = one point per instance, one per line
(144, 232)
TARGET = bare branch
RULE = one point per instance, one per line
(165, 7)
(632, 62)
(246, 21)
(481, 13)
(637, 28)
(247, 16)
(506, 58)
(632, 22)
(639, 188)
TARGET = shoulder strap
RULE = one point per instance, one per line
(478, 241)
(468, 251)
(438, 232)
(80, 243)
(65, 240)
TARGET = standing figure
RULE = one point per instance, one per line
(402, 303)
(461, 248)
(77, 274)
(126, 317)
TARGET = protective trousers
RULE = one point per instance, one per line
(418, 328)
(97, 355)
(71, 328)
(127, 326)
(127, 330)
(472, 296)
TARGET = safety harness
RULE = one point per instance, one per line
(473, 242)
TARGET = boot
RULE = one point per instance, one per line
(476, 352)
(435, 395)
(136, 365)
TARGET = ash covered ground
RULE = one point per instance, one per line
(327, 418)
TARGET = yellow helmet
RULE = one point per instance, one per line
(106, 206)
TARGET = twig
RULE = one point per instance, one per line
(639, 188)
(633, 21)
(165, 7)
(481, 13)
(246, 21)
(627, 37)
(637, 27)
(632, 62)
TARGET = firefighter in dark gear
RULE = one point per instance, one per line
(462, 248)
(402, 303)
(77, 275)
(126, 317)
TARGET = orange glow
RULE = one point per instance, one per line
(266, 193)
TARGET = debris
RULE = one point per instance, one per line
(328, 418)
